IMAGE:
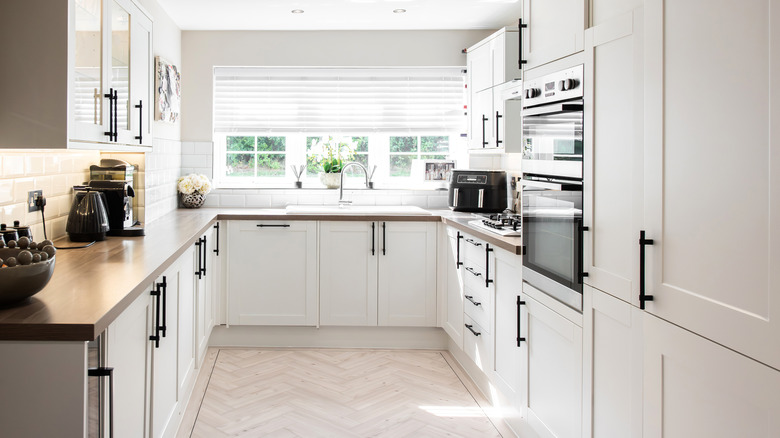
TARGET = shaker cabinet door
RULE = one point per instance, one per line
(612, 194)
(712, 198)
(272, 273)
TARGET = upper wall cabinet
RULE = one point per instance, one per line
(79, 75)
(711, 171)
(490, 63)
(553, 29)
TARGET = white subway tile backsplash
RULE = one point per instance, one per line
(418, 200)
(34, 165)
(204, 148)
(187, 148)
(437, 202)
(21, 187)
(388, 200)
(194, 161)
(6, 191)
(232, 201)
(13, 166)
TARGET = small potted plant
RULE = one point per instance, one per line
(193, 189)
(331, 153)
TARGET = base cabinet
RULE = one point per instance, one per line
(206, 284)
(407, 274)
(128, 352)
(612, 402)
(348, 273)
(272, 273)
(508, 291)
(694, 387)
(552, 378)
(451, 284)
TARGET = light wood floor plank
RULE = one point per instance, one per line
(334, 393)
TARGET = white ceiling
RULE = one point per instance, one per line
(341, 14)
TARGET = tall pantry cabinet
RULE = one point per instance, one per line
(697, 175)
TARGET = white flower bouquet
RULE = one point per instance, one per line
(193, 189)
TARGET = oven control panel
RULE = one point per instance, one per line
(555, 87)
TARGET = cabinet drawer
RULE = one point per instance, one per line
(473, 251)
(477, 304)
(477, 343)
(474, 276)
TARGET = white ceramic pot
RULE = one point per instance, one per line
(330, 180)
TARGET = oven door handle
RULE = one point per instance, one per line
(563, 187)
(553, 108)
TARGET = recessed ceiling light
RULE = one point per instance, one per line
(297, 11)
(399, 11)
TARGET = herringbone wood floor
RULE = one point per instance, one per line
(334, 393)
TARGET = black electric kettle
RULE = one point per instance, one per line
(88, 218)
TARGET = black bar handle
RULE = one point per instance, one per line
(156, 336)
(106, 372)
(199, 270)
(473, 242)
(642, 295)
(469, 326)
(384, 238)
(471, 298)
(457, 251)
(519, 303)
(476, 274)
(116, 115)
(110, 97)
(140, 136)
(373, 238)
(484, 119)
(273, 225)
(488, 250)
(521, 26)
(498, 116)
(216, 249)
(205, 261)
(164, 287)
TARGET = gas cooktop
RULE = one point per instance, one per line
(503, 224)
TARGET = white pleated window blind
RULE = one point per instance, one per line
(338, 100)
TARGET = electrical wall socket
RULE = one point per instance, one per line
(32, 195)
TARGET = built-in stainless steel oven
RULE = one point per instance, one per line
(552, 237)
(552, 185)
(552, 124)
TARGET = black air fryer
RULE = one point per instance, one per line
(478, 191)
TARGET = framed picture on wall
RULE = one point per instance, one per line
(168, 91)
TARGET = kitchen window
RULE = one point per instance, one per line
(266, 119)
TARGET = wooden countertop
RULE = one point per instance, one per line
(92, 286)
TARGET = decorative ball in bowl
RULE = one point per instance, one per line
(26, 267)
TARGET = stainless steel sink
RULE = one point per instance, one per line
(384, 210)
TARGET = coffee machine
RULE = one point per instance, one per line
(114, 178)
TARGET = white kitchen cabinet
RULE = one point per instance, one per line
(612, 402)
(272, 273)
(128, 352)
(55, 85)
(348, 273)
(712, 204)
(478, 344)
(142, 68)
(481, 119)
(451, 283)
(165, 370)
(507, 109)
(407, 273)
(612, 194)
(552, 375)
(490, 63)
(696, 388)
(508, 290)
(554, 29)
(206, 284)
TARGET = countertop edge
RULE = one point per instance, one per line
(86, 331)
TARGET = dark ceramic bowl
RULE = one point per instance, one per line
(22, 281)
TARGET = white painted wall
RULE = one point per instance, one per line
(202, 50)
